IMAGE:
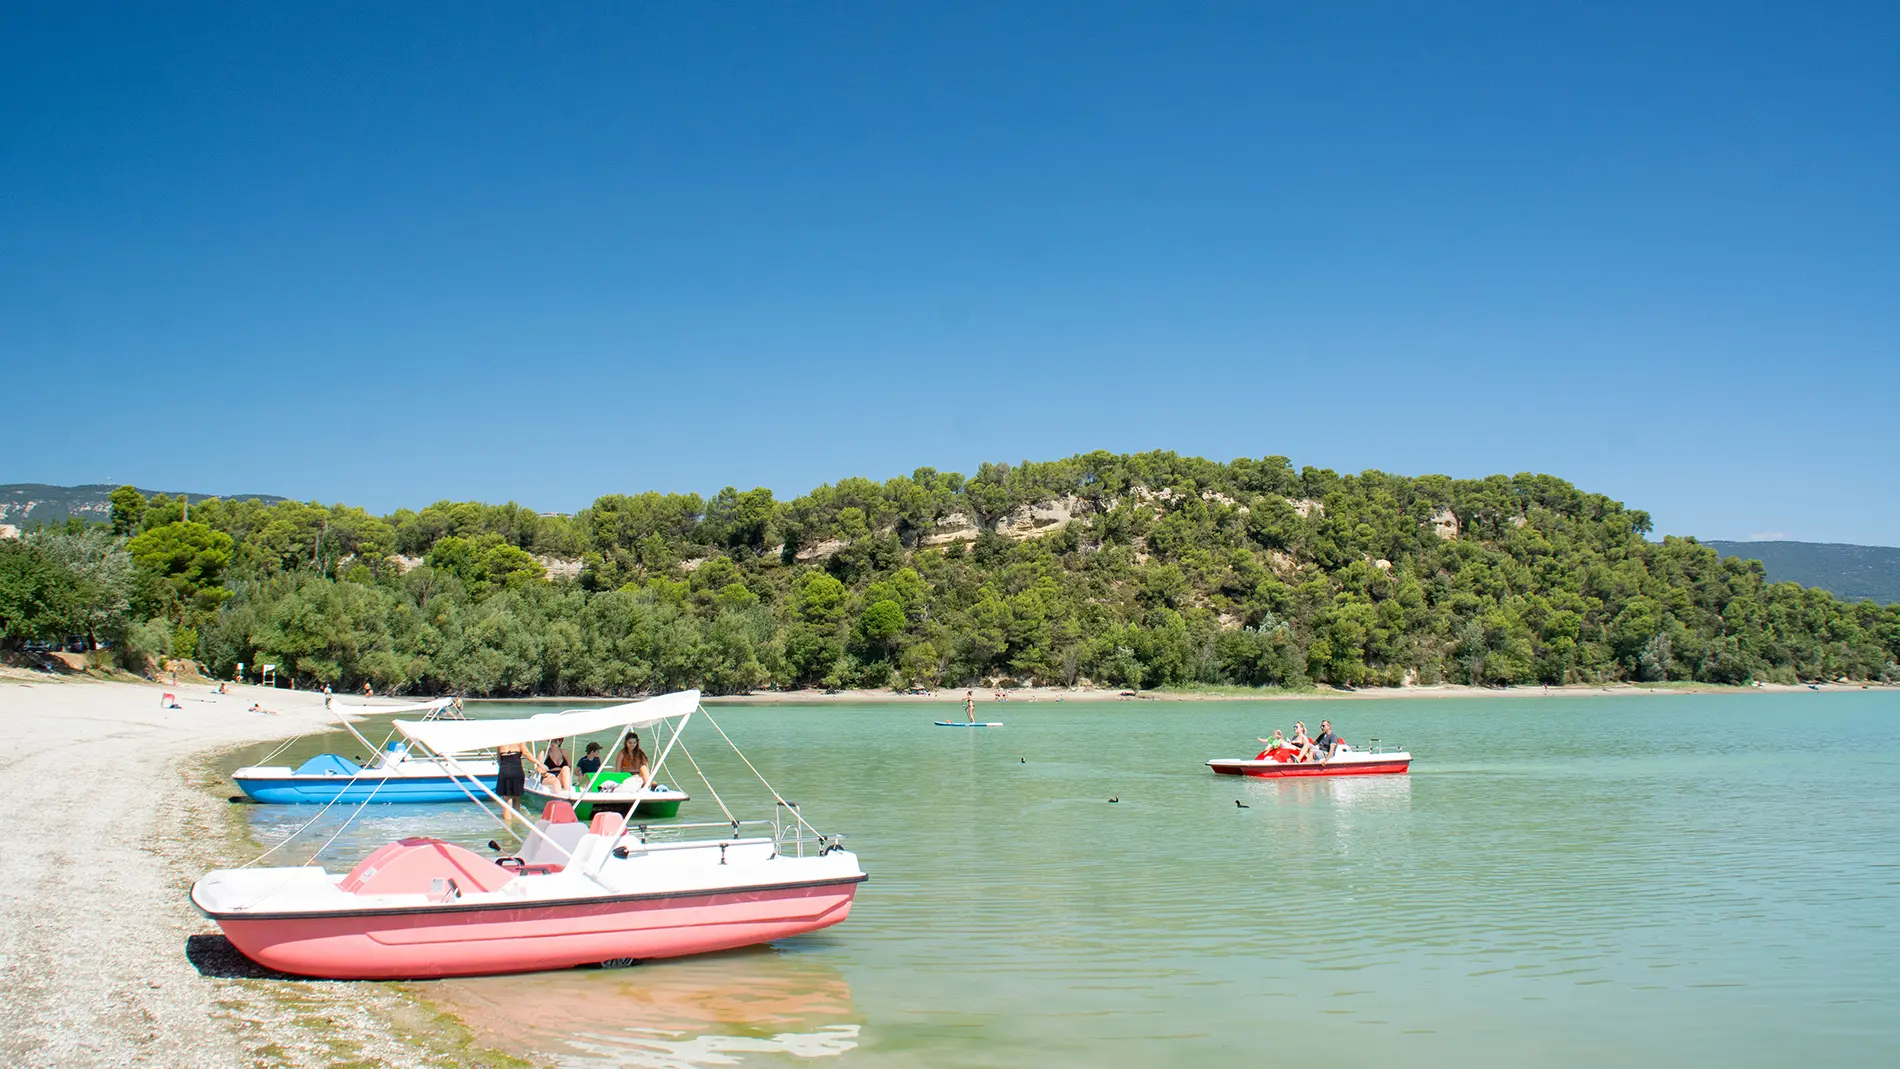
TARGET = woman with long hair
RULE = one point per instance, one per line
(634, 759)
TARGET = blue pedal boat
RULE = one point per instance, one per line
(332, 778)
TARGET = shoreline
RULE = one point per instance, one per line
(986, 695)
(110, 963)
(113, 966)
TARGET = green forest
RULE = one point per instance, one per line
(1143, 571)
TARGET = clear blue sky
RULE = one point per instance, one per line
(389, 254)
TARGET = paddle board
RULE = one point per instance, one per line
(967, 724)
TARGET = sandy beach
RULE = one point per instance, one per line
(102, 948)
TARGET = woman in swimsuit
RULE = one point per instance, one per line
(1302, 745)
(556, 764)
(510, 779)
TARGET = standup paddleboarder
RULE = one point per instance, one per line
(969, 705)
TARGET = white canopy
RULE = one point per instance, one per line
(407, 707)
(462, 736)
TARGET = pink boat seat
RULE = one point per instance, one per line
(559, 812)
(408, 866)
(607, 824)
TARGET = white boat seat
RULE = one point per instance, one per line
(568, 834)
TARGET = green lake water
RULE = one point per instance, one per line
(1561, 881)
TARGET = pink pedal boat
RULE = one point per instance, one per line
(577, 894)
(1281, 764)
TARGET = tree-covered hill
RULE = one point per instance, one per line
(1145, 570)
(1850, 572)
(38, 504)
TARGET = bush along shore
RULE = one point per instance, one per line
(1142, 571)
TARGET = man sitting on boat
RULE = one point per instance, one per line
(1322, 748)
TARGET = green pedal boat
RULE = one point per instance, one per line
(598, 795)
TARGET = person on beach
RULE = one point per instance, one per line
(969, 705)
(367, 693)
(633, 759)
(511, 778)
(590, 760)
(554, 763)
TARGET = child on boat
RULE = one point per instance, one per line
(590, 760)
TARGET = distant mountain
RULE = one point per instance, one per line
(1849, 572)
(31, 504)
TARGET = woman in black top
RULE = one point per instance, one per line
(556, 764)
(510, 779)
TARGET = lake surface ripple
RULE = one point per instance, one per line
(1674, 879)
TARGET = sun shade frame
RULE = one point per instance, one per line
(466, 736)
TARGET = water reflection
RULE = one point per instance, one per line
(691, 1012)
(1364, 793)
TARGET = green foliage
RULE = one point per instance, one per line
(37, 597)
(128, 510)
(184, 559)
(1136, 571)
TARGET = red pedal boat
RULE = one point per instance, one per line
(1282, 763)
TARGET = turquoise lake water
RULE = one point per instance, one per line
(1561, 881)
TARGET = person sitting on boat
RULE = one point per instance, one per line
(1323, 748)
(1301, 743)
(590, 760)
(1278, 749)
(556, 767)
(634, 760)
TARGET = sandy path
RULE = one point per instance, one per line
(94, 918)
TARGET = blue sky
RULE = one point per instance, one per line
(390, 254)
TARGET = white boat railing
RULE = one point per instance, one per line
(788, 837)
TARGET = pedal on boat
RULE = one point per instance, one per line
(1279, 764)
(578, 894)
(967, 724)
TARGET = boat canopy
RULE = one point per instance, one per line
(432, 705)
(463, 736)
